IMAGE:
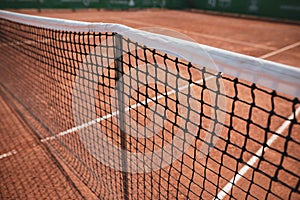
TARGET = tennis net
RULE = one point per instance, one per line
(136, 115)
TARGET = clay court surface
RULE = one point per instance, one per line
(40, 177)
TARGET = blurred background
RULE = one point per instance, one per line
(273, 9)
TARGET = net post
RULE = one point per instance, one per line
(118, 61)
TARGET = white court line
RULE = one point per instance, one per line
(92, 122)
(224, 39)
(8, 154)
(136, 105)
(280, 50)
(202, 35)
(228, 187)
(238, 176)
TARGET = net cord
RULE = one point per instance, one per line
(276, 76)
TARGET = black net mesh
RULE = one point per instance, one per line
(131, 122)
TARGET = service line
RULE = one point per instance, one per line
(142, 103)
(214, 37)
(10, 153)
(228, 187)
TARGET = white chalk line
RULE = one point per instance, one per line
(280, 50)
(97, 120)
(133, 106)
(142, 103)
(238, 176)
(10, 153)
(224, 39)
(228, 187)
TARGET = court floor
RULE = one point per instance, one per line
(273, 41)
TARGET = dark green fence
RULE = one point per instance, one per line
(110, 4)
(283, 9)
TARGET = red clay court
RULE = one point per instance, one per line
(244, 149)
